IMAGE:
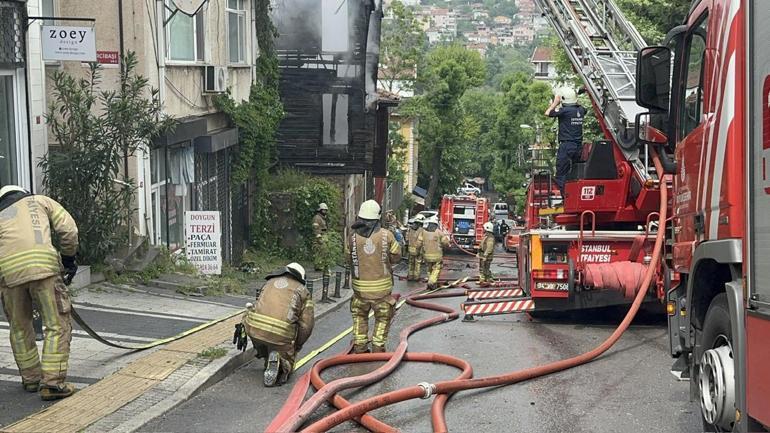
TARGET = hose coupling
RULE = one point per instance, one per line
(428, 388)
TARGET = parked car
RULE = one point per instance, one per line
(511, 242)
(468, 189)
(500, 210)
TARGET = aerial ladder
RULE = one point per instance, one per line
(609, 196)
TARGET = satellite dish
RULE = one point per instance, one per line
(189, 7)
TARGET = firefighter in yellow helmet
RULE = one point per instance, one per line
(415, 228)
(319, 230)
(486, 252)
(431, 243)
(372, 251)
(280, 322)
(31, 270)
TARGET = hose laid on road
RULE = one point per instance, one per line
(425, 390)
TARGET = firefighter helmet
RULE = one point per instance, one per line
(489, 227)
(369, 210)
(420, 218)
(431, 220)
(297, 271)
(9, 189)
(323, 206)
(568, 95)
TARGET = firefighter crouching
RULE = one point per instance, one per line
(280, 322)
(431, 243)
(371, 251)
(486, 252)
(415, 228)
(30, 270)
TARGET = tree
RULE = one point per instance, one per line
(445, 128)
(505, 61)
(402, 48)
(95, 131)
(654, 18)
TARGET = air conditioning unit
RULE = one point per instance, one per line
(214, 79)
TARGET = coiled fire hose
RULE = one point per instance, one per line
(446, 388)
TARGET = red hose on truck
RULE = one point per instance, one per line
(426, 390)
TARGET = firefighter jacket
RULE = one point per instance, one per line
(283, 313)
(26, 251)
(411, 238)
(319, 225)
(487, 247)
(432, 244)
(371, 260)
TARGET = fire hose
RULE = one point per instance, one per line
(446, 388)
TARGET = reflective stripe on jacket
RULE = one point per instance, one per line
(283, 313)
(26, 251)
(371, 262)
(411, 237)
(433, 244)
(487, 247)
(319, 224)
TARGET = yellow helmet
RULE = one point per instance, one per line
(369, 210)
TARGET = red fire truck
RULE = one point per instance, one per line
(714, 116)
(463, 216)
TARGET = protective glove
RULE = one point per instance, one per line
(239, 337)
(70, 268)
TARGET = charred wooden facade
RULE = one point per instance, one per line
(328, 55)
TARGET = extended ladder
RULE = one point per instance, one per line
(602, 45)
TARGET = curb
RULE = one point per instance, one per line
(205, 378)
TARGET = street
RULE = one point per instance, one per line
(628, 389)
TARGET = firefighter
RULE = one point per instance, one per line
(415, 229)
(280, 322)
(31, 270)
(319, 230)
(486, 252)
(372, 251)
(431, 244)
(571, 116)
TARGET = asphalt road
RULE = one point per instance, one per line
(629, 389)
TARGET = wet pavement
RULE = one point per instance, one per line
(629, 389)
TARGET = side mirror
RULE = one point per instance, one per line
(647, 132)
(653, 78)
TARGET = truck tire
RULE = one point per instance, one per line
(716, 369)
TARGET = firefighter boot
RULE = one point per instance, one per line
(48, 393)
(361, 348)
(31, 386)
(378, 349)
(273, 369)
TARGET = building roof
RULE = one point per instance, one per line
(542, 54)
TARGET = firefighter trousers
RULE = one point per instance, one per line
(434, 270)
(414, 266)
(51, 296)
(287, 353)
(485, 275)
(383, 312)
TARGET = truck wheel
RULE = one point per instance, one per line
(716, 372)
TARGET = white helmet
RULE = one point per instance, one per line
(431, 220)
(323, 206)
(568, 95)
(369, 210)
(297, 270)
(9, 189)
(489, 227)
(420, 218)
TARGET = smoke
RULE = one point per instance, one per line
(373, 54)
(299, 24)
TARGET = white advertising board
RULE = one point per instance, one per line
(203, 241)
(69, 43)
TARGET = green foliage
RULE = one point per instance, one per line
(304, 193)
(402, 45)
(397, 145)
(446, 131)
(654, 18)
(94, 131)
(506, 61)
(330, 251)
(213, 353)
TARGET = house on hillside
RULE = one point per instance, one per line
(543, 63)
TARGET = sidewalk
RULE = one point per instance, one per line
(122, 390)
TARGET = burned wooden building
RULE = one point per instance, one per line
(328, 53)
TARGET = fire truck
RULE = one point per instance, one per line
(708, 93)
(463, 217)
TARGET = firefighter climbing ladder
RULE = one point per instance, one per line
(601, 45)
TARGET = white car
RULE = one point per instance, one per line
(469, 189)
(500, 210)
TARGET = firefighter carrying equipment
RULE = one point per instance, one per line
(371, 253)
(281, 320)
(486, 253)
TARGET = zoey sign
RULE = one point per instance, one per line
(69, 43)
(203, 241)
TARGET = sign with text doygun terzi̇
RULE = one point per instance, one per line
(203, 241)
(69, 43)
